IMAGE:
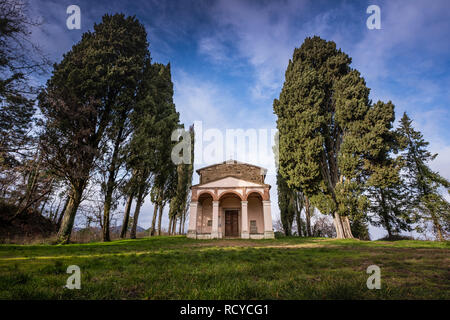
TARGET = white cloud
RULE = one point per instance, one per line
(261, 34)
(201, 99)
(214, 49)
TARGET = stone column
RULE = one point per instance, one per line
(244, 218)
(268, 231)
(192, 229)
(215, 220)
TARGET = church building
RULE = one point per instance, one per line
(231, 201)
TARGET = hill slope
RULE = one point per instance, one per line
(30, 224)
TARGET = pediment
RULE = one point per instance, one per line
(229, 182)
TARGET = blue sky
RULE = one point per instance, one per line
(228, 57)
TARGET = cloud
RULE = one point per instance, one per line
(214, 49)
(198, 98)
(259, 33)
(406, 62)
(408, 31)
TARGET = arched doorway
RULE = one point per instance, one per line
(230, 215)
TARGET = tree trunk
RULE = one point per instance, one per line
(136, 216)
(179, 227)
(106, 217)
(170, 226)
(437, 227)
(174, 226)
(61, 214)
(342, 225)
(70, 212)
(155, 213)
(385, 214)
(161, 208)
(388, 227)
(299, 223)
(126, 217)
(299, 203)
(338, 226)
(308, 216)
(439, 232)
(347, 229)
(110, 186)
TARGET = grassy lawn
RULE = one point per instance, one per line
(181, 268)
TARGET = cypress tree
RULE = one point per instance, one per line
(150, 149)
(286, 204)
(82, 99)
(326, 144)
(184, 177)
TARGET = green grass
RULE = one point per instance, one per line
(181, 268)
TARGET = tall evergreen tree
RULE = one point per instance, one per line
(151, 145)
(390, 203)
(140, 153)
(184, 175)
(325, 143)
(83, 97)
(114, 157)
(286, 203)
(291, 203)
(286, 198)
(422, 182)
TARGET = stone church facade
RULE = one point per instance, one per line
(231, 201)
